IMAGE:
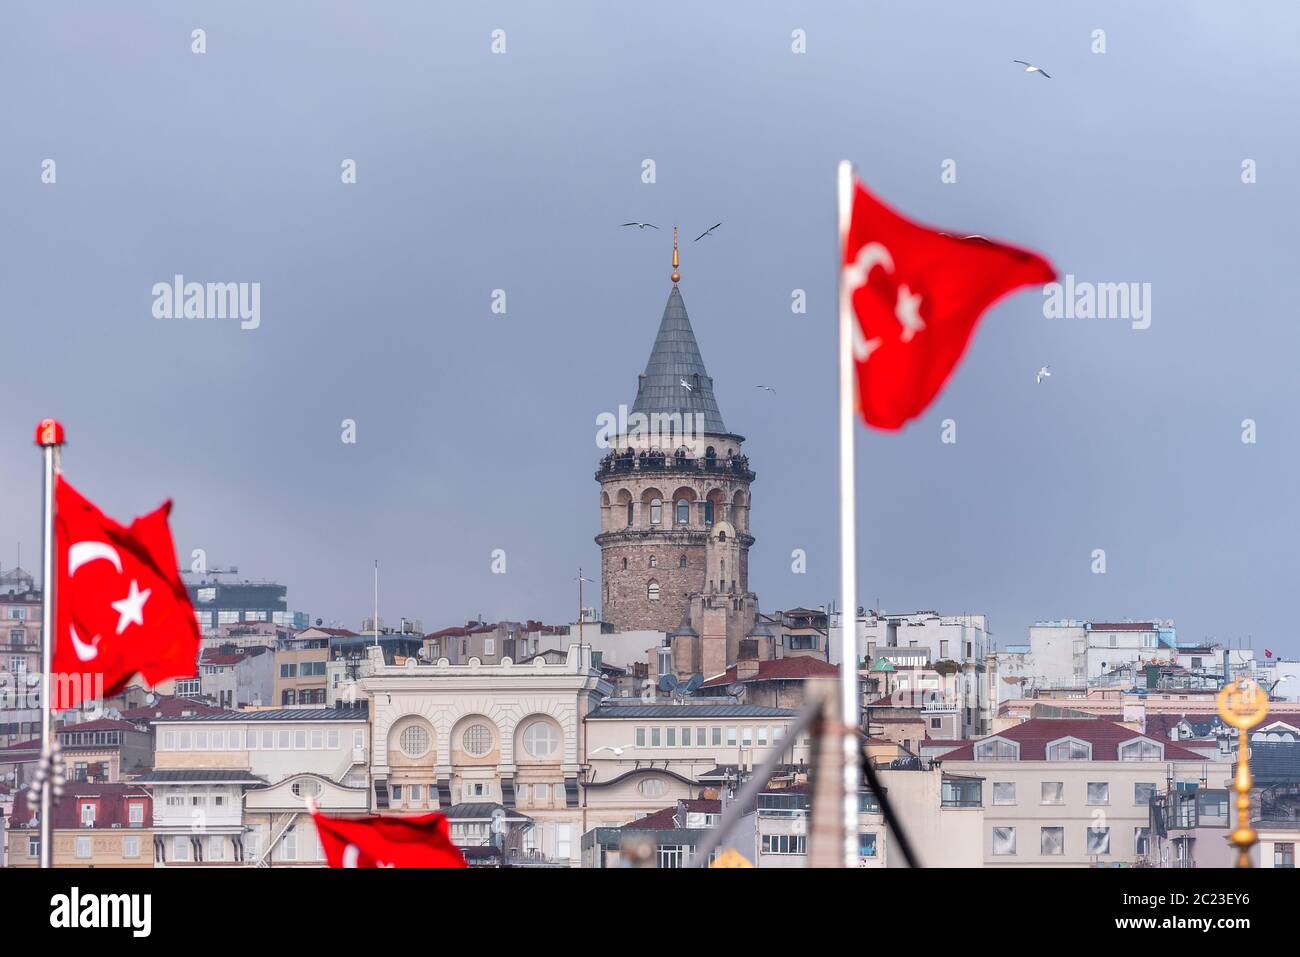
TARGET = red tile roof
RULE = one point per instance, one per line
(111, 802)
(667, 818)
(100, 724)
(170, 706)
(1105, 737)
(779, 669)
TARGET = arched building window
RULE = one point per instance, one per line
(654, 562)
(652, 591)
(656, 511)
(629, 514)
(683, 511)
(681, 562)
(708, 513)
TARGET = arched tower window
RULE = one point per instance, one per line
(656, 511)
(654, 562)
(681, 562)
(629, 514)
(625, 564)
(708, 513)
(683, 511)
(652, 591)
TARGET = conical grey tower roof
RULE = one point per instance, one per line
(675, 359)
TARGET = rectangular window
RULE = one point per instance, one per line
(300, 740)
(1004, 792)
(136, 812)
(1143, 794)
(332, 740)
(866, 844)
(130, 847)
(562, 850)
(397, 792)
(216, 848)
(762, 736)
(1004, 841)
(1098, 792)
(489, 646)
(180, 848)
(83, 847)
(541, 793)
(285, 739)
(1053, 792)
(731, 737)
(654, 737)
(640, 737)
(87, 815)
(686, 737)
(701, 737)
(415, 794)
(169, 741)
(717, 737)
(1284, 854)
(317, 740)
(1141, 840)
(672, 737)
(746, 737)
(1098, 840)
(200, 741)
(268, 739)
(33, 847)
(1052, 841)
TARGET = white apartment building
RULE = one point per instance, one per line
(1075, 792)
(231, 789)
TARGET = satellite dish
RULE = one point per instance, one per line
(668, 683)
(693, 684)
(150, 698)
(736, 689)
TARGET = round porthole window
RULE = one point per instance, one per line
(478, 740)
(415, 742)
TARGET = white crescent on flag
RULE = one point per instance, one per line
(79, 553)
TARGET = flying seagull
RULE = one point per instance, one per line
(618, 752)
(767, 387)
(641, 225)
(1030, 68)
(687, 386)
(1043, 373)
(707, 231)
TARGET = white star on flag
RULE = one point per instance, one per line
(130, 609)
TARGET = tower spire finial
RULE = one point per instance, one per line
(676, 261)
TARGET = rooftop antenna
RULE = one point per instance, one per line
(588, 580)
(676, 261)
(375, 624)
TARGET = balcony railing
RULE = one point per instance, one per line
(617, 463)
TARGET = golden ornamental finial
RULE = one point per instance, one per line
(676, 262)
(1243, 704)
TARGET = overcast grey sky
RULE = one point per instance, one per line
(478, 171)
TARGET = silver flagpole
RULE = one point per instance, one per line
(848, 537)
(49, 436)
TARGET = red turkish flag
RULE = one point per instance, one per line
(917, 294)
(378, 841)
(121, 605)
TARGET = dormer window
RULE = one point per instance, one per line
(997, 749)
(1069, 749)
(1141, 749)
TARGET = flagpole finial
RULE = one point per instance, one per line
(676, 260)
(49, 432)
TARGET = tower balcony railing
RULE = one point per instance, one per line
(619, 463)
